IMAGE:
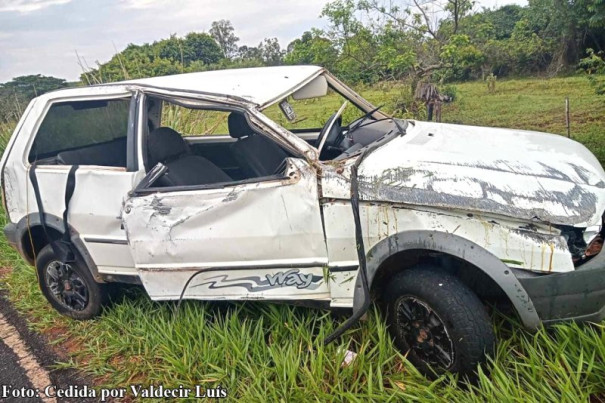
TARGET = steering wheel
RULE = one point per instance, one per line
(330, 133)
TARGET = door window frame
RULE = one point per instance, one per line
(131, 133)
(264, 124)
(283, 179)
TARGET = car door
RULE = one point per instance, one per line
(96, 133)
(262, 239)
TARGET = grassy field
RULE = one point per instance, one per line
(261, 352)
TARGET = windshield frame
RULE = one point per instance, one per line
(340, 88)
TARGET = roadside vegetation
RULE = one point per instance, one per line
(262, 351)
(387, 50)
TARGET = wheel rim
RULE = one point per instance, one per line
(66, 286)
(424, 332)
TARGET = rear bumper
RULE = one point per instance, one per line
(575, 296)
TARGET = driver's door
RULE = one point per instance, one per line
(260, 240)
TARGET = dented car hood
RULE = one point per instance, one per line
(521, 174)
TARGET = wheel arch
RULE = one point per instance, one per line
(410, 243)
(31, 239)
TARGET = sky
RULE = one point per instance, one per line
(43, 36)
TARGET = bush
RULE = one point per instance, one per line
(593, 66)
(450, 91)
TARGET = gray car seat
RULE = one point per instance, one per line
(184, 168)
(256, 155)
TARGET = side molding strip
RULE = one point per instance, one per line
(106, 240)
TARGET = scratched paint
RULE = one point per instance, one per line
(251, 225)
(517, 247)
(519, 174)
(485, 185)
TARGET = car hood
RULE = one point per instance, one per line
(521, 174)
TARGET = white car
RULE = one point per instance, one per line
(111, 183)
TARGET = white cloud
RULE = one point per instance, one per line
(27, 6)
(142, 3)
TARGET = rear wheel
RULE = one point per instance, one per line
(69, 287)
(438, 321)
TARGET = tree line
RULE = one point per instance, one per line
(374, 40)
(368, 41)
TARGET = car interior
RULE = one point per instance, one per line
(83, 133)
(110, 153)
(240, 154)
(76, 133)
(217, 145)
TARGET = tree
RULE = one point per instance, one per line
(33, 85)
(16, 93)
(167, 56)
(201, 47)
(224, 34)
(312, 48)
(270, 51)
(457, 9)
(594, 67)
(397, 37)
(596, 12)
(171, 49)
(459, 56)
(395, 53)
(249, 53)
(194, 47)
(503, 20)
(356, 44)
(373, 40)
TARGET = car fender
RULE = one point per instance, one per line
(456, 246)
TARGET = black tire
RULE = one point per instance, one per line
(70, 289)
(431, 316)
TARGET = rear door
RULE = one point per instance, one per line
(97, 134)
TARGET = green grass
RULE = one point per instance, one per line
(271, 352)
(533, 104)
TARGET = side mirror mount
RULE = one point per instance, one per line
(152, 176)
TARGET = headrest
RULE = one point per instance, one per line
(238, 125)
(165, 144)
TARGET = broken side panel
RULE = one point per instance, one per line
(272, 230)
(513, 245)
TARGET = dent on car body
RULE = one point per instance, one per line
(240, 226)
(514, 194)
(523, 175)
(539, 247)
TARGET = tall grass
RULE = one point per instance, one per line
(194, 122)
(6, 130)
(263, 352)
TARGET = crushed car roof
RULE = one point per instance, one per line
(259, 85)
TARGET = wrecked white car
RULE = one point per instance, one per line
(184, 184)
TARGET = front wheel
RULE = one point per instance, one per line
(438, 321)
(69, 287)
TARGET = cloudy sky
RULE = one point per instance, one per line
(42, 36)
